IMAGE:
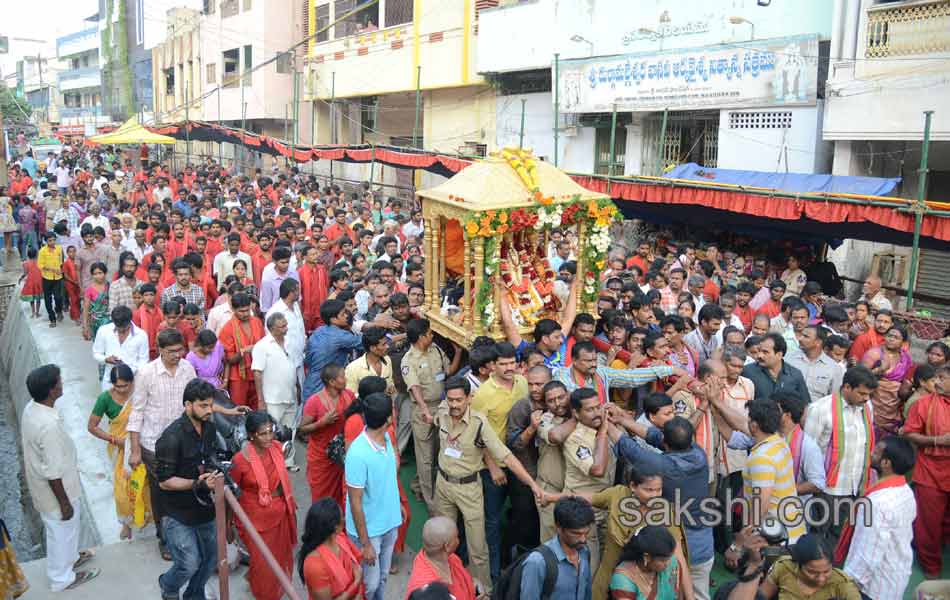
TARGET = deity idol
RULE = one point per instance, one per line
(528, 279)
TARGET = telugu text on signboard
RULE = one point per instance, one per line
(762, 73)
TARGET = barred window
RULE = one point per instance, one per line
(760, 120)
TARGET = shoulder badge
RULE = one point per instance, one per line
(405, 370)
(583, 453)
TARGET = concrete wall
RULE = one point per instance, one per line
(765, 149)
(26, 344)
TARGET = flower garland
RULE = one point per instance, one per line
(599, 215)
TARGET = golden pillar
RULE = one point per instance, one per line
(467, 278)
(429, 273)
(479, 276)
(438, 263)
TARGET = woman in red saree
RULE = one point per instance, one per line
(329, 563)
(268, 500)
(322, 421)
(354, 426)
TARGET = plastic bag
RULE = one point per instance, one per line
(137, 488)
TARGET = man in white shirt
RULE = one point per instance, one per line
(846, 472)
(275, 374)
(873, 294)
(880, 557)
(224, 261)
(120, 342)
(52, 476)
(414, 227)
(96, 218)
(296, 338)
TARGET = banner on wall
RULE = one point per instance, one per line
(774, 72)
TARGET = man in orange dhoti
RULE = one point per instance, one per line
(238, 337)
(314, 286)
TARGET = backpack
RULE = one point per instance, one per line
(508, 586)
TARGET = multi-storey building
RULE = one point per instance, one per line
(888, 65)
(80, 82)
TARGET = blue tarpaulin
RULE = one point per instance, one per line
(788, 182)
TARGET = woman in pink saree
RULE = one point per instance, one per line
(892, 364)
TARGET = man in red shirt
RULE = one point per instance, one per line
(773, 307)
(339, 228)
(743, 310)
(147, 317)
(928, 427)
(314, 287)
(872, 338)
(641, 259)
(260, 254)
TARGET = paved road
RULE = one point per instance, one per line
(129, 569)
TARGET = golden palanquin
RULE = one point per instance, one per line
(492, 222)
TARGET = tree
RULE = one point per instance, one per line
(15, 110)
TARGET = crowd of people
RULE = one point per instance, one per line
(703, 383)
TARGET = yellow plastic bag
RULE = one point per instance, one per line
(138, 489)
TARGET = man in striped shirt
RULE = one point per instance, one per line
(768, 478)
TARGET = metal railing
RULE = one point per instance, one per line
(908, 28)
(224, 500)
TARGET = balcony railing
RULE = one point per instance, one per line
(80, 111)
(908, 28)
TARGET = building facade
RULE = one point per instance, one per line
(79, 82)
(739, 82)
(888, 66)
(363, 73)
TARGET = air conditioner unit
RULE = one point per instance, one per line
(570, 131)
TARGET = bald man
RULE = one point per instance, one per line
(440, 539)
(873, 294)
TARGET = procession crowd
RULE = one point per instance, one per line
(710, 400)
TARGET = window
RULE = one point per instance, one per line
(344, 27)
(602, 158)
(246, 5)
(229, 8)
(169, 81)
(398, 12)
(208, 7)
(248, 65)
(284, 63)
(322, 24)
(760, 120)
(210, 75)
(140, 22)
(230, 61)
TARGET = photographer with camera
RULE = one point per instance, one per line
(183, 454)
(806, 573)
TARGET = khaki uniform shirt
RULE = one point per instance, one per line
(579, 458)
(428, 370)
(461, 444)
(550, 457)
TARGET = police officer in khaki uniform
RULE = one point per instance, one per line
(424, 369)
(557, 409)
(465, 437)
(589, 461)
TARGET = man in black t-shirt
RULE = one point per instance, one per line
(184, 484)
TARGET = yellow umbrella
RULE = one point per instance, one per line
(131, 132)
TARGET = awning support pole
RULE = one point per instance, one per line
(557, 103)
(613, 141)
(919, 209)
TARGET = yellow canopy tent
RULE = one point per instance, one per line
(131, 132)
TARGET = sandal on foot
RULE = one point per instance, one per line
(164, 551)
(82, 577)
(84, 557)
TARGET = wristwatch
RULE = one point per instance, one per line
(733, 547)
